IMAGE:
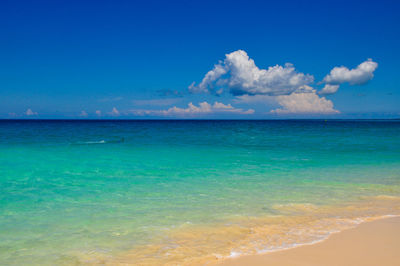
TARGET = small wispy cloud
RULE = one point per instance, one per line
(83, 113)
(191, 109)
(29, 112)
(253, 99)
(329, 89)
(114, 112)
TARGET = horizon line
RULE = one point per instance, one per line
(192, 119)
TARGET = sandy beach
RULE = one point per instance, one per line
(371, 243)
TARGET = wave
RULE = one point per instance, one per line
(94, 142)
(296, 225)
(121, 140)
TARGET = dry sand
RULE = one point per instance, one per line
(372, 243)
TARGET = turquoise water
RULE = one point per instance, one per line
(82, 192)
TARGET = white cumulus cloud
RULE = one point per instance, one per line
(304, 103)
(209, 79)
(240, 75)
(356, 76)
(359, 75)
(329, 89)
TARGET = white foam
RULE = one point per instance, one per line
(234, 254)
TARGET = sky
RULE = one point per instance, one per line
(199, 59)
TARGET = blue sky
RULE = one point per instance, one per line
(131, 59)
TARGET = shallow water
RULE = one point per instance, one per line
(176, 192)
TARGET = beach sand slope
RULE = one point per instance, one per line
(371, 243)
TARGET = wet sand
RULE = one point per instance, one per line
(371, 243)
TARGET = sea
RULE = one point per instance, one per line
(188, 192)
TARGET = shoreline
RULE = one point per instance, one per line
(242, 240)
(140, 257)
(375, 242)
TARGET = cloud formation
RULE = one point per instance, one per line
(304, 103)
(359, 75)
(363, 73)
(329, 89)
(202, 108)
(83, 113)
(291, 89)
(114, 112)
(240, 75)
(209, 79)
(29, 112)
